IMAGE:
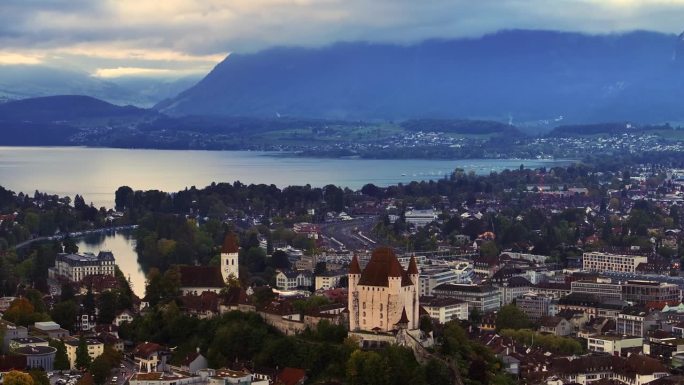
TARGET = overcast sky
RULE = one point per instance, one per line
(177, 37)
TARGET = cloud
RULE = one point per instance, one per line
(13, 58)
(142, 72)
(184, 35)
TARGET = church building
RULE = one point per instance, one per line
(383, 297)
(229, 257)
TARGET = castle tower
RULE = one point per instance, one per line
(383, 294)
(229, 257)
(414, 274)
(353, 296)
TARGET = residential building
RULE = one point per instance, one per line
(482, 298)
(513, 288)
(50, 330)
(75, 267)
(535, 306)
(599, 261)
(603, 288)
(635, 322)
(420, 218)
(383, 296)
(149, 356)
(11, 331)
(555, 325)
(643, 292)
(95, 349)
(444, 310)
(617, 345)
(29, 341)
(124, 316)
(293, 279)
(192, 363)
(433, 277)
(329, 280)
(663, 346)
(633, 370)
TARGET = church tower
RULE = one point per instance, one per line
(229, 257)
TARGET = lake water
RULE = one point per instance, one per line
(96, 173)
(122, 245)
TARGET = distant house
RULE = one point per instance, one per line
(192, 363)
(124, 316)
(198, 279)
(329, 280)
(148, 356)
(558, 326)
(95, 349)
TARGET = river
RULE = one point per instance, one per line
(96, 173)
(122, 245)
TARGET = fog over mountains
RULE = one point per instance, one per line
(518, 75)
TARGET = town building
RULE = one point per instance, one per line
(617, 345)
(480, 298)
(28, 341)
(195, 280)
(431, 278)
(95, 349)
(149, 356)
(444, 310)
(643, 292)
(293, 279)
(230, 267)
(599, 261)
(383, 295)
(635, 322)
(124, 316)
(513, 288)
(38, 356)
(75, 267)
(420, 218)
(633, 370)
(555, 325)
(603, 288)
(534, 305)
(49, 329)
(329, 280)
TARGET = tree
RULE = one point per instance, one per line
(20, 312)
(83, 359)
(15, 377)
(61, 359)
(425, 324)
(65, 313)
(69, 245)
(280, 260)
(511, 317)
(100, 370)
(123, 198)
(489, 249)
(107, 307)
(39, 377)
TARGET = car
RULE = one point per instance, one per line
(115, 379)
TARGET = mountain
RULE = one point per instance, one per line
(519, 76)
(21, 82)
(64, 108)
(55, 120)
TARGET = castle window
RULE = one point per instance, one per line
(380, 308)
(364, 305)
(364, 313)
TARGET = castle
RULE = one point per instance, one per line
(383, 297)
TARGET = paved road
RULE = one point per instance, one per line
(347, 232)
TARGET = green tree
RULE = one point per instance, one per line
(489, 249)
(511, 317)
(61, 359)
(100, 369)
(106, 305)
(65, 313)
(39, 377)
(83, 359)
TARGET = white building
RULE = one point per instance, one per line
(292, 279)
(597, 261)
(444, 310)
(433, 277)
(329, 280)
(613, 344)
(420, 218)
(75, 267)
(95, 349)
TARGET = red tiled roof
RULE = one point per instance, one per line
(404, 318)
(291, 376)
(201, 276)
(383, 265)
(146, 349)
(230, 244)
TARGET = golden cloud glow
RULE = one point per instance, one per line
(12, 58)
(138, 71)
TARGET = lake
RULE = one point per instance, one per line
(96, 173)
(122, 245)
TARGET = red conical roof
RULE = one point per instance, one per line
(354, 267)
(413, 267)
(404, 318)
(230, 244)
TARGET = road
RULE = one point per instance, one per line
(353, 234)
